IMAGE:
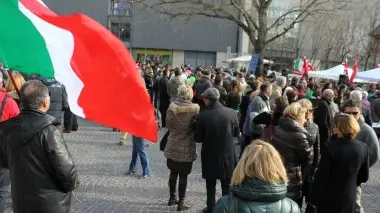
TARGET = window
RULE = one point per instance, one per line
(122, 31)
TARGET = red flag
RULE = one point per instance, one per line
(355, 69)
(346, 67)
(112, 91)
(305, 67)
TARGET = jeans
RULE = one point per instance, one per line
(139, 150)
(211, 190)
(4, 186)
(359, 208)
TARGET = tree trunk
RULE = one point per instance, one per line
(260, 49)
(366, 61)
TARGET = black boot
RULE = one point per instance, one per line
(182, 194)
(173, 188)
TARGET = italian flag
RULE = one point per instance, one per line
(99, 74)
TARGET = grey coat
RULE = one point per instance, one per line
(369, 137)
(259, 105)
(181, 145)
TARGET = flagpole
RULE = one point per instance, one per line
(13, 82)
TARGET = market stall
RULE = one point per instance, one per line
(370, 75)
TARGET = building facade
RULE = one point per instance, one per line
(150, 36)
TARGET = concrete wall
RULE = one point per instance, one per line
(152, 30)
(96, 9)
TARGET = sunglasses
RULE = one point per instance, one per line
(352, 113)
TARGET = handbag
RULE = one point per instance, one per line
(164, 141)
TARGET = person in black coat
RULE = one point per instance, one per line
(148, 79)
(215, 128)
(203, 84)
(233, 98)
(290, 140)
(58, 100)
(163, 86)
(245, 101)
(323, 116)
(344, 166)
(42, 172)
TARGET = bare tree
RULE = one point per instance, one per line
(250, 15)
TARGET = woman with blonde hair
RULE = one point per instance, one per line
(344, 166)
(258, 183)
(180, 149)
(12, 88)
(290, 140)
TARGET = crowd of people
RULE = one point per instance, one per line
(303, 143)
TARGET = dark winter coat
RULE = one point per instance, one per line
(343, 167)
(223, 94)
(215, 128)
(179, 120)
(290, 140)
(41, 168)
(227, 85)
(203, 84)
(163, 86)
(58, 99)
(233, 100)
(245, 100)
(255, 196)
(323, 118)
(313, 139)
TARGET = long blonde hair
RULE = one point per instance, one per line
(305, 103)
(19, 80)
(260, 161)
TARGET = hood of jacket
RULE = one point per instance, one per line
(204, 78)
(181, 106)
(28, 123)
(290, 125)
(176, 80)
(260, 191)
(48, 81)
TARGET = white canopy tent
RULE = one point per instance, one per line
(332, 73)
(245, 59)
(370, 75)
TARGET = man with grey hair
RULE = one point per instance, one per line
(215, 128)
(277, 89)
(323, 116)
(30, 144)
(258, 105)
(357, 95)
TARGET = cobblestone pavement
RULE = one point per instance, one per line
(105, 188)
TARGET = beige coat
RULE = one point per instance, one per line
(181, 146)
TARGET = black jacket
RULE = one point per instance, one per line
(233, 100)
(313, 139)
(41, 168)
(344, 166)
(216, 126)
(323, 118)
(203, 84)
(223, 94)
(290, 140)
(58, 99)
(245, 101)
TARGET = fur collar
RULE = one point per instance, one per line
(179, 107)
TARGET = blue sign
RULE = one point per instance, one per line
(254, 63)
